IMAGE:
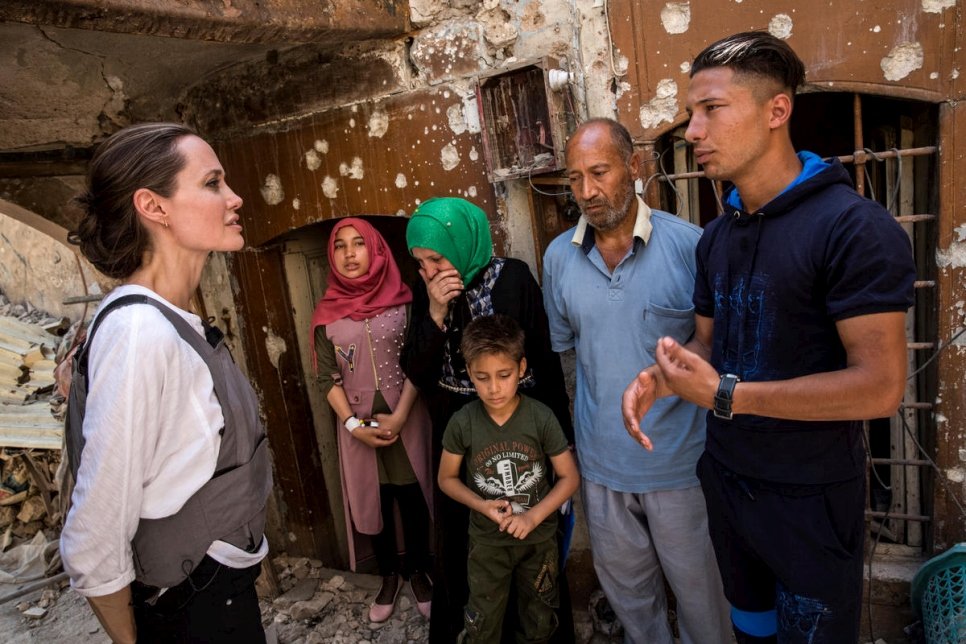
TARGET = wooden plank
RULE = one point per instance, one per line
(31, 441)
(30, 332)
(15, 344)
(43, 365)
(36, 355)
(11, 372)
(912, 487)
(37, 408)
(23, 421)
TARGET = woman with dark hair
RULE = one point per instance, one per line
(165, 533)
(462, 280)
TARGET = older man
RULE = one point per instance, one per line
(612, 286)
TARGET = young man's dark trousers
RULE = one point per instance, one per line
(794, 549)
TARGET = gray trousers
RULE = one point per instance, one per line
(635, 537)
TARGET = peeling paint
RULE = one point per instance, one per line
(470, 113)
(274, 345)
(676, 17)
(449, 157)
(962, 455)
(296, 204)
(471, 191)
(272, 191)
(780, 26)
(474, 154)
(322, 146)
(956, 474)
(330, 187)
(312, 160)
(401, 181)
(960, 232)
(354, 171)
(454, 114)
(937, 6)
(663, 107)
(953, 75)
(902, 61)
(378, 124)
(952, 257)
(686, 67)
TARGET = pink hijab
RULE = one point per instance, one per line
(362, 297)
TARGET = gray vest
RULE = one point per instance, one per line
(230, 507)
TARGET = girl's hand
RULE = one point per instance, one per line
(391, 423)
(374, 437)
(495, 510)
(519, 525)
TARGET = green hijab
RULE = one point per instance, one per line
(456, 229)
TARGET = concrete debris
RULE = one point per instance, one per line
(35, 612)
(338, 611)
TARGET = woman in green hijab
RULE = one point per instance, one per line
(462, 280)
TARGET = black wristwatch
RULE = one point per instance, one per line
(724, 396)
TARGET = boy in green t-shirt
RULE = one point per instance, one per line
(505, 439)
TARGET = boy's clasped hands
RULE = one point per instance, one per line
(500, 512)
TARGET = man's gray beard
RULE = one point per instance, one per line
(612, 217)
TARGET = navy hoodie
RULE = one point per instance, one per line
(776, 281)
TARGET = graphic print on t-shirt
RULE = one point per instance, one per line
(747, 322)
(510, 470)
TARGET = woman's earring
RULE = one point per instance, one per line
(164, 220)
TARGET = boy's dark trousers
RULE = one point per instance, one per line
(492, 570)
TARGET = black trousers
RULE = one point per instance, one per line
(215, 605)
(796, 549)
(415, 524)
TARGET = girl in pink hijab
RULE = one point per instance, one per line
(384, 436)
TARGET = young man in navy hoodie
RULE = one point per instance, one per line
(800, 298)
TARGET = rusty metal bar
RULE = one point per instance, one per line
(899, 461)
(888, 154)
(911, 219)
(859, 144)
(918, 346)
(845, 158)
(917, 405)
(869, 514)
(924, 284)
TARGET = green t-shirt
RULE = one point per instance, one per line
(507, 462)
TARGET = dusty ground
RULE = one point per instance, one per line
(319, 606)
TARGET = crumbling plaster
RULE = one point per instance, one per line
(38, 266)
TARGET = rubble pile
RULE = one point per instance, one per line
(31, 422)
(320, 605)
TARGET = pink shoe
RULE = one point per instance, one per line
(385, 602)
(422, 589)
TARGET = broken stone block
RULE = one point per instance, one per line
(302, 591)
(310, 608)
(300, 568)
(335, 583)
(32, 509)
(35, 612)
(7, 515)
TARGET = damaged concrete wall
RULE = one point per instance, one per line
(907, 48)
(38, 267)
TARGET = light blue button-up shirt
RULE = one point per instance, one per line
(613, 320)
